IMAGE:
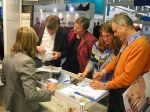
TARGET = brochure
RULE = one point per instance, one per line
(85, 91)
(137, 96)
(91, 93)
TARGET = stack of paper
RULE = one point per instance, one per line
(84, 91)
(70, 92)
(51, 69)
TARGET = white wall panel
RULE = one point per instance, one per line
(11, 22)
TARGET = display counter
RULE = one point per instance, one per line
(64, 97)
(61, 102)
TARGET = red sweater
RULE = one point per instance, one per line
(84, 48)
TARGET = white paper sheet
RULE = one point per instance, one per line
(84, 91)
(50, 69)
(69, 89)
(91, 93)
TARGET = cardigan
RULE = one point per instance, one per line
(133, 62)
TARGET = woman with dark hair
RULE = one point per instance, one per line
(102, 52)
(81, 42)
(19, 70)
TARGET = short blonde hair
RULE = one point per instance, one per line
(26, 40)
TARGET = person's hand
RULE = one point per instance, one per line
(40, 49)
(95, 84)
(81, 76)
(98, 75)
(51, 86)
(56, 55)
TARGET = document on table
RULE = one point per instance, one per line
(84, 91)
(70, 92)
(69, 89)
(91, 93)
(51, 69)
(64, 78)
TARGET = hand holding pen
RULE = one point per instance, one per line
(98, 75)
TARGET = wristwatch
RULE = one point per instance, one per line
(105, 85)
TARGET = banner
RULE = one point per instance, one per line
(141, 2)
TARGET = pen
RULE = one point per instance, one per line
(86, 96)
(66, 80)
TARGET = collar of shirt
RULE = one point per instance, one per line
(129, 40)
(132, 38)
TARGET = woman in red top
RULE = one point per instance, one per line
(81, 42)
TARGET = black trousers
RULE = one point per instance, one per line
(116, 100)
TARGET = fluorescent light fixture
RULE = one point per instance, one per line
(55, 9)
(71, 9)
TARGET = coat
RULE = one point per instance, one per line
(21, 94)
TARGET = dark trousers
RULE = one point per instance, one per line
(116, 101)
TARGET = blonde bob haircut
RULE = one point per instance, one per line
(26, 40)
